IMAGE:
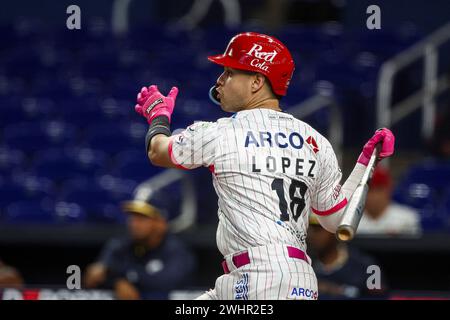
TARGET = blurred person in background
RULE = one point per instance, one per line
(440, 144)
(382, 216)
(9, 276)
(146, 264)
(341, 270)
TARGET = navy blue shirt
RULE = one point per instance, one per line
(350, 279)
(154, 272)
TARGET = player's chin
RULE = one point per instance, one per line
(227, 107)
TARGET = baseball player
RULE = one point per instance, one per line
(269, 170)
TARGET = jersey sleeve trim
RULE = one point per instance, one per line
(172, 157)
(334, 209)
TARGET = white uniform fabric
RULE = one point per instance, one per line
(269, 170)
(272, 275)
(396, 220)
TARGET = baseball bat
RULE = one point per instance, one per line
(355, 207)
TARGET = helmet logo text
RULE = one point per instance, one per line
(257, 53)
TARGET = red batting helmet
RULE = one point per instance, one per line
(259, 53)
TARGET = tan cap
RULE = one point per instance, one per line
(140, 207)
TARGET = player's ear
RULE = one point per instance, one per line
(258, 82)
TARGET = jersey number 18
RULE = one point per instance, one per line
(296, 204)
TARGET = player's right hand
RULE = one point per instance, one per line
(124, 290)
(387, 140)
(95, 275)
(151, 103)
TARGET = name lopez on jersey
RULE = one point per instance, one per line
(275, 163)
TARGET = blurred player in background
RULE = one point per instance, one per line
(269, 170)
(148, 263)
(382, 216)
(10, 276)
(341, 270)
(440, 144)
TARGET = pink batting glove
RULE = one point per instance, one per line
(387, 139)
(151, 103)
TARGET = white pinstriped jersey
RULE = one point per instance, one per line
(269, 170)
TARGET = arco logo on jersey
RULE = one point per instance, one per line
(271, 139)
(261, 57)
(303, 294)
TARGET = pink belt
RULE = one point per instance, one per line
(242, 259)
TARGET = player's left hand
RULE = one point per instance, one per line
(387, 140)
(151, 103)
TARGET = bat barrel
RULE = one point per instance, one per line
(352, 215)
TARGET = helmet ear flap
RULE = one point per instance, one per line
(213, 95)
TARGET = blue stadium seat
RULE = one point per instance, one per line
(425, 201)
(417, 195)
(23, 63)
(134, 165)
(423, 187)
(89, 161)
(165, 39)
(118, 188)
(107, 137)
(130, 61)
(11, 160)
(9, 38)
(383, 42)
(84, 91)
(114, 137)
(445, 208)
(135, 131)
(431, 219)
(434, 174)
(35, 108)
(24, 188)
(95, 32)
(70, 212)
(31, 137)
(45, 87)
(11, 193)
(101, 65)
(35, 187)
(98, 203)
(10, 88)
(197, 110)
(84, 190)
(81, 111)
(55, 165)
(107, 212)
(118, 109)
(28, 212)
(10, 113)
(125, 87)
(342, 75)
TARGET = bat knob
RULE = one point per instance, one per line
(345, 233)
